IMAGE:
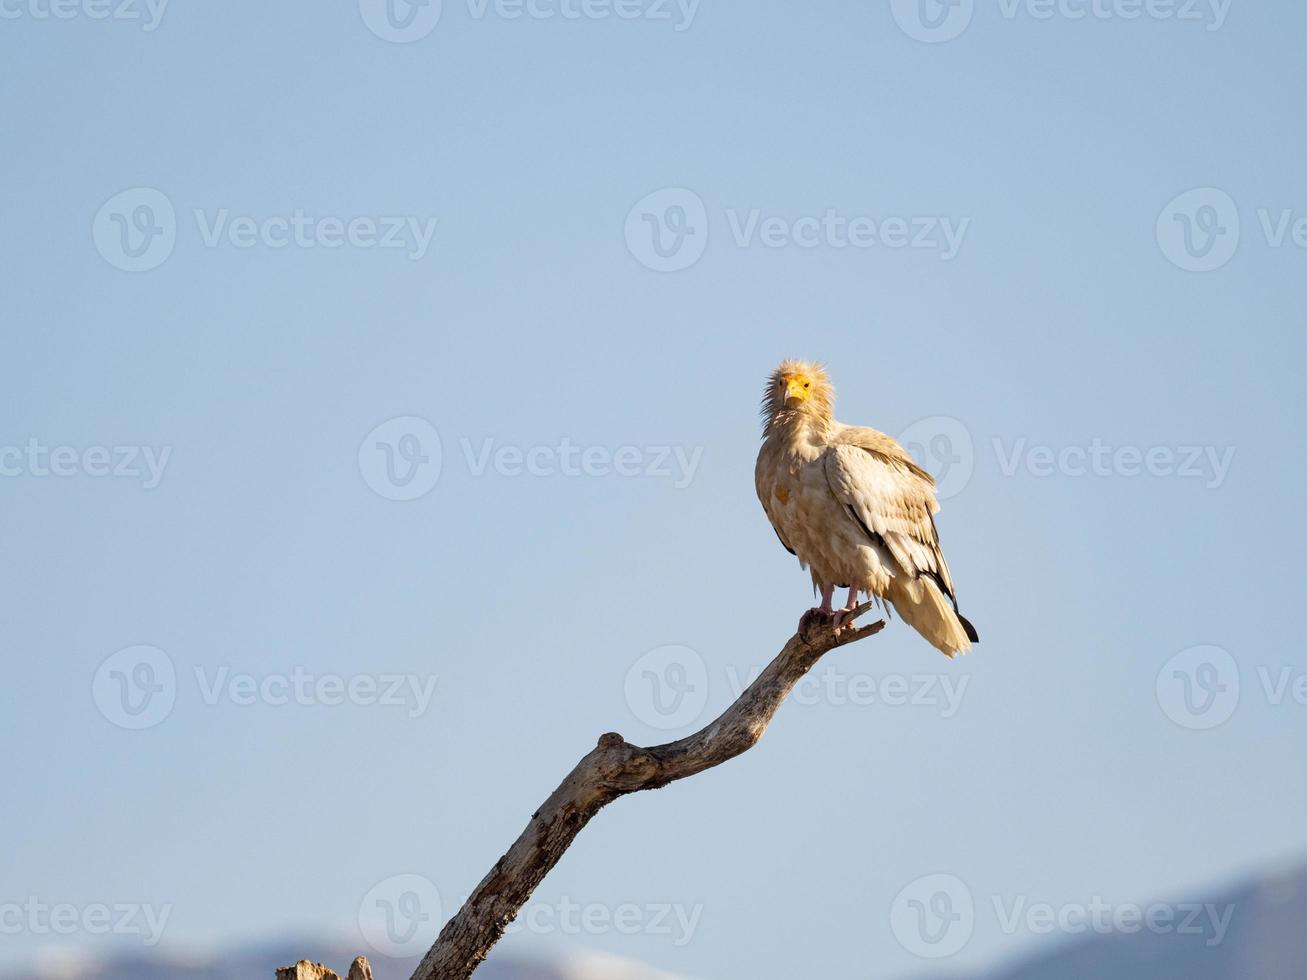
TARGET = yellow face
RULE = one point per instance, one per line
(795, 388)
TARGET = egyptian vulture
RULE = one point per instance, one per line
(854, 508)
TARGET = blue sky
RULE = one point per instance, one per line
(1061, 253)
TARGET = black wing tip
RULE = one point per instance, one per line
(935, 577)
(970, 630)
(875, 538)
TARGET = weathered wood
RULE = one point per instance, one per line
(612, 769)
(616, 768)
(304, 970)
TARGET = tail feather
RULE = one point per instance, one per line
(972, 635)
(925, 607)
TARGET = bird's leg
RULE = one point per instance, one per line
(827, 594)
(824, 610)
(849, 607)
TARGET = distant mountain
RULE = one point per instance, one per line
(250, 963)
(1266, 940)
(261, 964)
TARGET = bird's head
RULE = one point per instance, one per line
(798, 390)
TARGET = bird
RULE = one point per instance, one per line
(854, 507)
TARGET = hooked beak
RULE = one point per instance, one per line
(794, 391)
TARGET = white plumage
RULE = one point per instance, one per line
(854, 508)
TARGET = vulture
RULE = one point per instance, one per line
(854, 508)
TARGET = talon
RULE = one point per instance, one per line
(850, 607)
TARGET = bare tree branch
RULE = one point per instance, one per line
(615, 768)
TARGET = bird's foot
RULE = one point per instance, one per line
(833, 617)
(840, 615)
(841, 623)
(849, 609)
(824, 611)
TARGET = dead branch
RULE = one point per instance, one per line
(615, 768)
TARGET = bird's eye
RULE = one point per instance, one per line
(805, 384)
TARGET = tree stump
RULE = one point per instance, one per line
(304, 970)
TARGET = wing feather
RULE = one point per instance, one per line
(764, 478)
(891, 497)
